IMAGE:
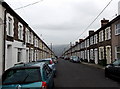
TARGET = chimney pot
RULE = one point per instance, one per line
(104, 22)
(91, 32)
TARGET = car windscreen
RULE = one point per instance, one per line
(21, 76)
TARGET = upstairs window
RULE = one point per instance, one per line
(9, 25)
(117, 29)
(87, 42)
(91, 40)
(95, 39)
(100, 36)
(27, 35)
(107, 33)
(20, 31)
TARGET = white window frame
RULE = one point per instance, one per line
(107, 33)
(20, 31)
(91, 54)
(101, 49)
(91, 40)
(116, 52)
(95, 39)
(19, 57)
(101, 36)
(88, 44)
(10, 32)
(117, 29)
(31, 38)
(27, 36)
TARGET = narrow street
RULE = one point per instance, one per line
(79, 75)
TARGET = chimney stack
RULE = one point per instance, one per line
(91, 32)
(104, 22)
(76, 42)
(80, 40)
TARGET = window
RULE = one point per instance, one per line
(117, 29)
(101, 53)
(27, 35)
(91, 40)
(32, 38)
(107, 33)
(20, 31)
(19, 55)
(91, 54)
(95, 39)
(9, 26)
(100, 36)
(87, 42)
(22, 76)
(117, 52)
(116, 63)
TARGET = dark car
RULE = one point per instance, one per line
(28, 76)
(113, 70)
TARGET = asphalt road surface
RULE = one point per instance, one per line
(80, 75)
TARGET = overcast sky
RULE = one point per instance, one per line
(63, 21)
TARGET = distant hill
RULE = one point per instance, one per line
(59, 49)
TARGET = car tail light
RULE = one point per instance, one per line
(51, 62)
(44, 85)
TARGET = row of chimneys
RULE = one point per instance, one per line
(103, 22)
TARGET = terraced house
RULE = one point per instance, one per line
(19, 43)
(2, 9)
(100, 47)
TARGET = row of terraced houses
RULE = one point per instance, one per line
(18, 42)
(101, 46)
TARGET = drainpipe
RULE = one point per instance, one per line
(4, 44)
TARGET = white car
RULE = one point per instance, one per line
(75, 59)
(50, 63)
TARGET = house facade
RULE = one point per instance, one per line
(2, 10)
(102, 46)
(19, 43)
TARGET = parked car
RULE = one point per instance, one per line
(75, 59)
(66, 58)
(55, 60)
(28, 76)
(113, 70)
(51, 64)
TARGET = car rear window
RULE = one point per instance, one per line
(18, 76)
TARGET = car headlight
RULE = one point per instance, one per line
(107, 66)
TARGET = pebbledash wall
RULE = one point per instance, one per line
(18, 42)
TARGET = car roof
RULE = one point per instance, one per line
(44, 59)
(29, 65)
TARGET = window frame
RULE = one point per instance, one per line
(20, 31)
(117, 28)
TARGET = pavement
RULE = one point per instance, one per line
(94, 65)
